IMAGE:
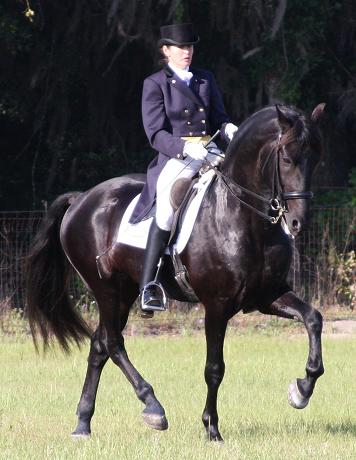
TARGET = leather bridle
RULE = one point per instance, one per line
(278, 202)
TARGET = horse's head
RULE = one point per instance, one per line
(271, 160)
(298, 151)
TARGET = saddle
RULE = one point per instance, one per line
(182, 194)
(179, 191)
(186, 198)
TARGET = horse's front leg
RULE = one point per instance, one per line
(215, 328)
(290, 306)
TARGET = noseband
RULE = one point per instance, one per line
(278, 201)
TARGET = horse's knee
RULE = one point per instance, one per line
(314, 321)
(214, 373)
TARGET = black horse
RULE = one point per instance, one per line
(238, 258)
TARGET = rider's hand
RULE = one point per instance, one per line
(230, 130)
(195, 151)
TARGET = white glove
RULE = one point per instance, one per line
(195, 151)
(230, 130)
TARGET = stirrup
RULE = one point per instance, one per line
(153, 298)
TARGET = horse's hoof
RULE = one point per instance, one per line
(215, 438)
(80, 435)
(295, 398)
(155, 421)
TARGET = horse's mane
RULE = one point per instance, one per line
(264, 122)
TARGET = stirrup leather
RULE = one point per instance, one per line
(153, 297)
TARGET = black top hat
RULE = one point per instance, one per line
(178, 34)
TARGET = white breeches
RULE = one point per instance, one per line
(173, 170)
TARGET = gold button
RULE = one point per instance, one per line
(203, 132)
(201, 109)
(173, 81)
(186, 111)
(189, 122)
(203, 121)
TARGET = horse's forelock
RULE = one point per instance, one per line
(304, 133)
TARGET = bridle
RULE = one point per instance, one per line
(278, 201)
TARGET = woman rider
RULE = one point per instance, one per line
(181, 109)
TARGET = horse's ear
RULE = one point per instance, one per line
(284, 122)
(318, 112)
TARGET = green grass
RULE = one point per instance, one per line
(38, 397)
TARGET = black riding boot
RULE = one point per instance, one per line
(156, 243)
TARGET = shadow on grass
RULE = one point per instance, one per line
(301, 428)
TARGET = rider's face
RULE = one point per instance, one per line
(179, 56)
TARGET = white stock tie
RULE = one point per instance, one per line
(182, 74)
(186, 76)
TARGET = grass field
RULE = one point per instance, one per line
(38, 397)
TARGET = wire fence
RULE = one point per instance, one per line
(324, 268)
(322, 272)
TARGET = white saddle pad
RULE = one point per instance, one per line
(136, 234)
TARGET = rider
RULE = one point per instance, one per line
(181, 109)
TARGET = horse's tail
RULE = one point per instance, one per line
(49, 309)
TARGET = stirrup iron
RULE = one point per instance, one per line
(159, 301)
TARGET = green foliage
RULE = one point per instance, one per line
(17, 41)
(345, 278)
(345, 197)
(337, 283)
(335, 267)
(15, 35)
(179, 12)
(12, 321)
(72, 79)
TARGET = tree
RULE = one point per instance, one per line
(71, 80)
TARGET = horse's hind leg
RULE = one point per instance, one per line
(98, 356)
(113, 323)
(290, 306)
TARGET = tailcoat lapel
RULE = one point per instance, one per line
(197, 87)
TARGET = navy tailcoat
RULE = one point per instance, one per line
(172, 110)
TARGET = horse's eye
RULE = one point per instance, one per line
(286, 160)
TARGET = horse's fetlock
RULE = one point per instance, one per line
(315, 372)
(85, 411)
(215, 370)
(209, 419)
(144, 392)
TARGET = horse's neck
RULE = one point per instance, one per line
(226, 208)
(248, 158)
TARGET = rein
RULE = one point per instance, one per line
(278, 202)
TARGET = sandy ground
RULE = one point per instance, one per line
(342, 326)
